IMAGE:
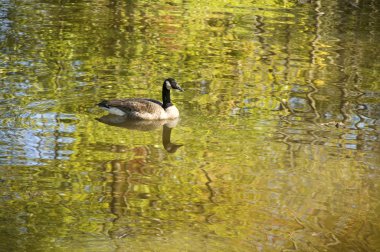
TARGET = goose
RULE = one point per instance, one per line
(144, 108)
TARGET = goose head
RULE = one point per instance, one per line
(170, 83)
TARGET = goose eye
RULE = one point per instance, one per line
(168, 85)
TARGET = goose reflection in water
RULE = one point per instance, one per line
(130, 175)
(144, 125)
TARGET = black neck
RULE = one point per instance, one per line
(165, 97)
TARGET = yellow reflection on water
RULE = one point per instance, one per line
(276, 148)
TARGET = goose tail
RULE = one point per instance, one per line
(103, 104)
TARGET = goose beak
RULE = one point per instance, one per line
(180, 89)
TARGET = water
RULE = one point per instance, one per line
(277, 147)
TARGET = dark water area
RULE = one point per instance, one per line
(276, 148)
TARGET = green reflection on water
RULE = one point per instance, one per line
(276, 149)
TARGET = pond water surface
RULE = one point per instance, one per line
(277, 146)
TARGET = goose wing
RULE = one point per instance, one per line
(139, 105)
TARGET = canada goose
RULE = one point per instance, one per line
(145, 109)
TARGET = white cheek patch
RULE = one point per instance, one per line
(168, 86)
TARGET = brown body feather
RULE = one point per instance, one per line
(138, 105)
(140, 108)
